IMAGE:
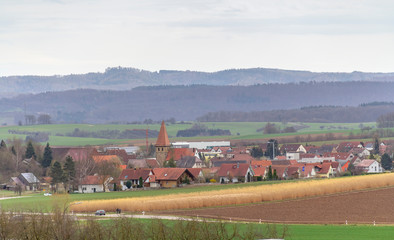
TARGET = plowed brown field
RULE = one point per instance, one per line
(355, 207)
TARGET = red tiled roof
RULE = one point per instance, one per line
(325, 168)
(77, 153)
(263, 163)
(236, 170)
(168, 173)
(259, 170)
(195, 171)
(178, 153)
(280, 157)
(292, 170)
(91, 180)
(280, 170)
(134, 174)
(152, 163)
(101, 158)
(162, 139)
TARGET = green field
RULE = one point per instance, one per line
(239, 131)
(304, 231)
(39, 202)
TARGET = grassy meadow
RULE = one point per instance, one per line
(310, 231)
(39, 202)
(239, 131)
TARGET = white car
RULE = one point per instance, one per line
(47, 194)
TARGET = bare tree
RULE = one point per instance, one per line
(83, 167)
(107, 169)
(18, 152)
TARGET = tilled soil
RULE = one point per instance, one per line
(355, 207)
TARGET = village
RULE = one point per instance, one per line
(181, 164)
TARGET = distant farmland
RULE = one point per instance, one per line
(239, 131)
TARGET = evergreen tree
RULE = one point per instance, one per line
(47, 159)
(376, 146)
(30, 151)
(140, 183)
(275, 176)
(269, 173)
(68, 171)
(3, 146)
(56, 174)
(387, 162)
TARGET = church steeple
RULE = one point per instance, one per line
(162, 144)
(162, 139)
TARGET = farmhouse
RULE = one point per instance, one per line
(370, 166)
(134, 176)
(92, 184)
(169, 177)
(239, 172)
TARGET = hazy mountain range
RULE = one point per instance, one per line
(128, 78)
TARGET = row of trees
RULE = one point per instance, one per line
(386, 121)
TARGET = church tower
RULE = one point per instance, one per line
(162, 145)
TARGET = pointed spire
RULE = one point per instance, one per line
(162, 139)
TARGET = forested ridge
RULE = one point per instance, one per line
(195, 101)
(120, 78)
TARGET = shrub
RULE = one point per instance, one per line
(212, 180)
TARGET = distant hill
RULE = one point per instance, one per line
(128, 78)
(191, 102)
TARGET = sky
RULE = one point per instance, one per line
(60, 37)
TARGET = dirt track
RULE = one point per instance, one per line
(355, 207)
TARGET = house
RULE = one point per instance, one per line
(94, 183)
(344, 165)
(281, 171)
(306, 170)
(292, 148)
(197, 173)
(335, 167)
(30, 181)
(361, 152)
(121, 153)
(370, 166)
(347, 146)
(169, 177)
(189, 162)
(134, 176)
(177, 153)
(77, 153)
(238, 172)
(293, 172)
(292, 155)
(325, 170)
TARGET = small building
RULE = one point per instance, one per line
(94, 183)
(169, 177)
(370, 166)
(134, 176)
(238, 172)
(30, 181)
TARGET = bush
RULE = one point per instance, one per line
(213, 180)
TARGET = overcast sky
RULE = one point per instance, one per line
(47, 37)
